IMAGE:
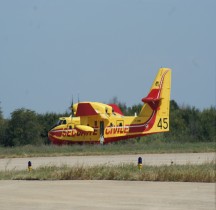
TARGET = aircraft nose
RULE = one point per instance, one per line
(49, 134)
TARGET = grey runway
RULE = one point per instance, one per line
(114, 195)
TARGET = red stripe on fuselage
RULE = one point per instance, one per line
(144, 126)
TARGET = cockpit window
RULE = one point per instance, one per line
(61, 122)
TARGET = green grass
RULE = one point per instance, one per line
(110, 149)
(130, 172)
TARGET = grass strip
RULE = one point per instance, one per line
(110, 149)
(130, 172)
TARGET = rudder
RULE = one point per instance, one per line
(158, 101)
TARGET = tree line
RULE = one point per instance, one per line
(187, 124)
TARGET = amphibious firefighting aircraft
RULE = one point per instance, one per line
(93, 122)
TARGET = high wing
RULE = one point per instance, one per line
(85, 109)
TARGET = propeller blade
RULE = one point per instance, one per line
(71, 107)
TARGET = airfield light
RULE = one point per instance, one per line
(139, 163)
(29, 166)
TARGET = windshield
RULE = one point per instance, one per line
(59, 122)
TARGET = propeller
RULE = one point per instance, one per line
(71, 107)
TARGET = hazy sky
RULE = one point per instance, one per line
(51, 49)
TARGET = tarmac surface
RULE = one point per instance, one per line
(148, 159)
(99, 195)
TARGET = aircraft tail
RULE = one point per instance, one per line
(157, 102)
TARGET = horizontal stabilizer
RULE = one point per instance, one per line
(148, 100)
(152, 96)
